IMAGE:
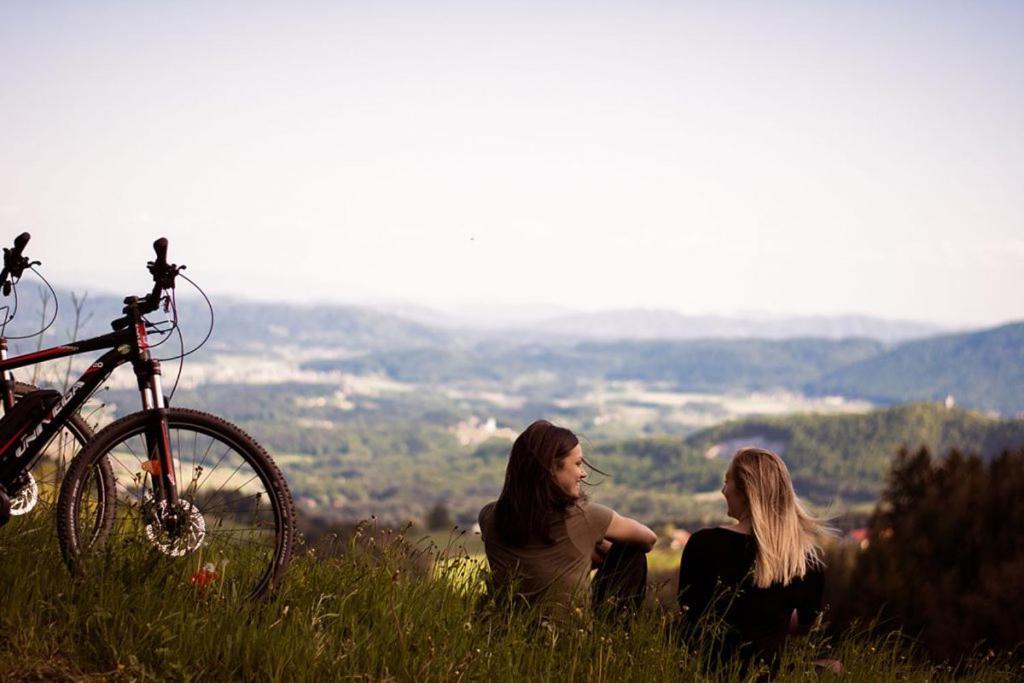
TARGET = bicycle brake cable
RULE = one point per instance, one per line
(209, 331)
(181, 363)
(53, 318)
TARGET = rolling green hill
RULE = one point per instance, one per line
(983, 370)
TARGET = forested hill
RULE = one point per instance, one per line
(983, 370)
(699, 365)
(832, 458)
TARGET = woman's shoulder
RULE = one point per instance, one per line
(716, 537)
(588, 507)
(586, 523)
(486, 512)
(714, 533)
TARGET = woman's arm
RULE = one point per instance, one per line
(626, 530)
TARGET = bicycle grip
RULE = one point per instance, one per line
(20, 241)
(160, 247)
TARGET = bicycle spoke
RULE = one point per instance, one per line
(206, 509)
(240, 466)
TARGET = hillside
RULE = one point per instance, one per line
(835, 461)
(698, 365)
(390, 608)
(846, 457)
(983, 370)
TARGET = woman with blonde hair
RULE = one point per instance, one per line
(744, 586)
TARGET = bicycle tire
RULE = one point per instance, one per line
(201, 538)
(56, 455)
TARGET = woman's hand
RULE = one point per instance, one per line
(626, 530)
(600, 550)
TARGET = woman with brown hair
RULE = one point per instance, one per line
(542, 536)
(761, 577)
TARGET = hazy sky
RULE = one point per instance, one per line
(710, 157)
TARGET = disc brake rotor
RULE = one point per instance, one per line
(189, 536)
(26, 499)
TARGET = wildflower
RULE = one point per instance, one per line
(206, 576)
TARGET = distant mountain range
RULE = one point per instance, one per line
(240, 324)
(663, 324)
(852, 356)
(650, 324)
(394, 326)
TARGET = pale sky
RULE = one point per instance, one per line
(785, 158)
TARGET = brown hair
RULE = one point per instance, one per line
(788, 538)
(530, 498)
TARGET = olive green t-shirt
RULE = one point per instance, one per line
(552, 572)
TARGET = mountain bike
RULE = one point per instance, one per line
(183, 487)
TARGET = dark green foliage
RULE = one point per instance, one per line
(946, 552)
(661, 463)
(845, 457)
(439, 518)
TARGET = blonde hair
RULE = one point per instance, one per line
(788, 538)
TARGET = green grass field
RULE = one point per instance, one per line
(376, 607)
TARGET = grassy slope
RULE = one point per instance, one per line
(378, 611)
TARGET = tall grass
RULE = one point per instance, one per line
(374, 607)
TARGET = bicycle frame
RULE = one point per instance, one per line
(131, 344)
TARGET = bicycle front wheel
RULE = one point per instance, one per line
(232, 529)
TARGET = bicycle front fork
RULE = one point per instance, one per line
(160, 465)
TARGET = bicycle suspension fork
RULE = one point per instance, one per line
(160, 465)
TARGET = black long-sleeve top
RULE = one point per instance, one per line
(716, 582)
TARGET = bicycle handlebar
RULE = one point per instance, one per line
(163, 279)
(163, 273)
(14, 263)
(160, 247)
